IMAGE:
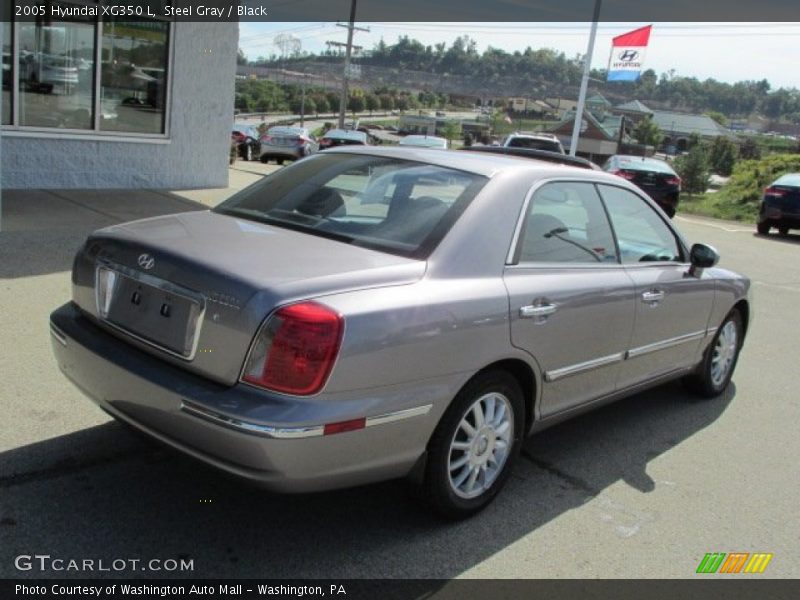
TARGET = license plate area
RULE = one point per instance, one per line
(153, 310)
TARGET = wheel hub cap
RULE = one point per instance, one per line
(724, 353)
(479, 449)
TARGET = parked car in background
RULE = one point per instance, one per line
(287, 143)
(780, 205)
(652, 175)
(424, 141)
(246, 137)
(343, 137)
(535, 141)
(373, 313)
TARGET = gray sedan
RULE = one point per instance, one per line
(367, 314)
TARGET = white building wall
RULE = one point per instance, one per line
(194, 156)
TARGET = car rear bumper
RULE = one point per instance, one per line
(776, 217)
(273, 440)
(277, 152)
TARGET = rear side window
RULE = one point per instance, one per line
(387, 204)
(566, 223)
(642, 234)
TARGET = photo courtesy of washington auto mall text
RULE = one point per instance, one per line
(182, 590)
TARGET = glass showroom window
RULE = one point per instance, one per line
(56, 74)
(84, 74)
(133, 78)
(5, 16)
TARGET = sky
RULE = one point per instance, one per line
(728, 52)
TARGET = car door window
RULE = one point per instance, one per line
(566, 223)
(642, 235)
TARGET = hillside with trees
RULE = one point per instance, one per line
(546, 70)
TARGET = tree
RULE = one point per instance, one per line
(333, 100)
(750, 150)
(648, 132)
(693, 169)
(451, 130)
(387, 102)
(718, 117)
(356, 104)
(321, 103)
(372, 102)
(723, 156)
(241, 58)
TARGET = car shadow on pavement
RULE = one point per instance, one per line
(43, 229)
(104, 492)
(790, 238)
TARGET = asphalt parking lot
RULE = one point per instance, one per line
(640, 489)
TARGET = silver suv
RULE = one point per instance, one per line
(535, 141)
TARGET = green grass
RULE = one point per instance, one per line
(717, 206)
(739, 199)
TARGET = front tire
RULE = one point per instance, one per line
(714, 374)
(472, 450)
(248, 153)
(763, 228)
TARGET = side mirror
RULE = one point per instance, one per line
(702, 256)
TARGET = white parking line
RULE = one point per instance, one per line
(715, 226)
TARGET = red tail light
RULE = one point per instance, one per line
(673, 181)
(624, 174)
(266, 138)
(238, 136)
(295, 350)
(774, 192)
(325, 143)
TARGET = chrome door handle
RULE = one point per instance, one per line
(652, 297)
(537, 310)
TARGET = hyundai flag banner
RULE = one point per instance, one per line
(627, 55)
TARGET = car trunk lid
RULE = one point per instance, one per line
(218, 277)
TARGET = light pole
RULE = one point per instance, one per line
(587, 67)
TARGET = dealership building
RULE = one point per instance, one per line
(102, 102)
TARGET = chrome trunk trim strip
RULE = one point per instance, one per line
(293, 432)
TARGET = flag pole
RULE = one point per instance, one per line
(587, 67)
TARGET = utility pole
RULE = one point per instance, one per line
(587, 67)
(351, 26)
(303, 102)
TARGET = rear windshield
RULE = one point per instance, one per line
(792, 179)
(334, 141)
(396, 206)
(645, 164)
(534, 143)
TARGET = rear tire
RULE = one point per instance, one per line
(670, 211)
(279, 161)
(763, 228)
(264, 159)
(472, 450)
(714, 374)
